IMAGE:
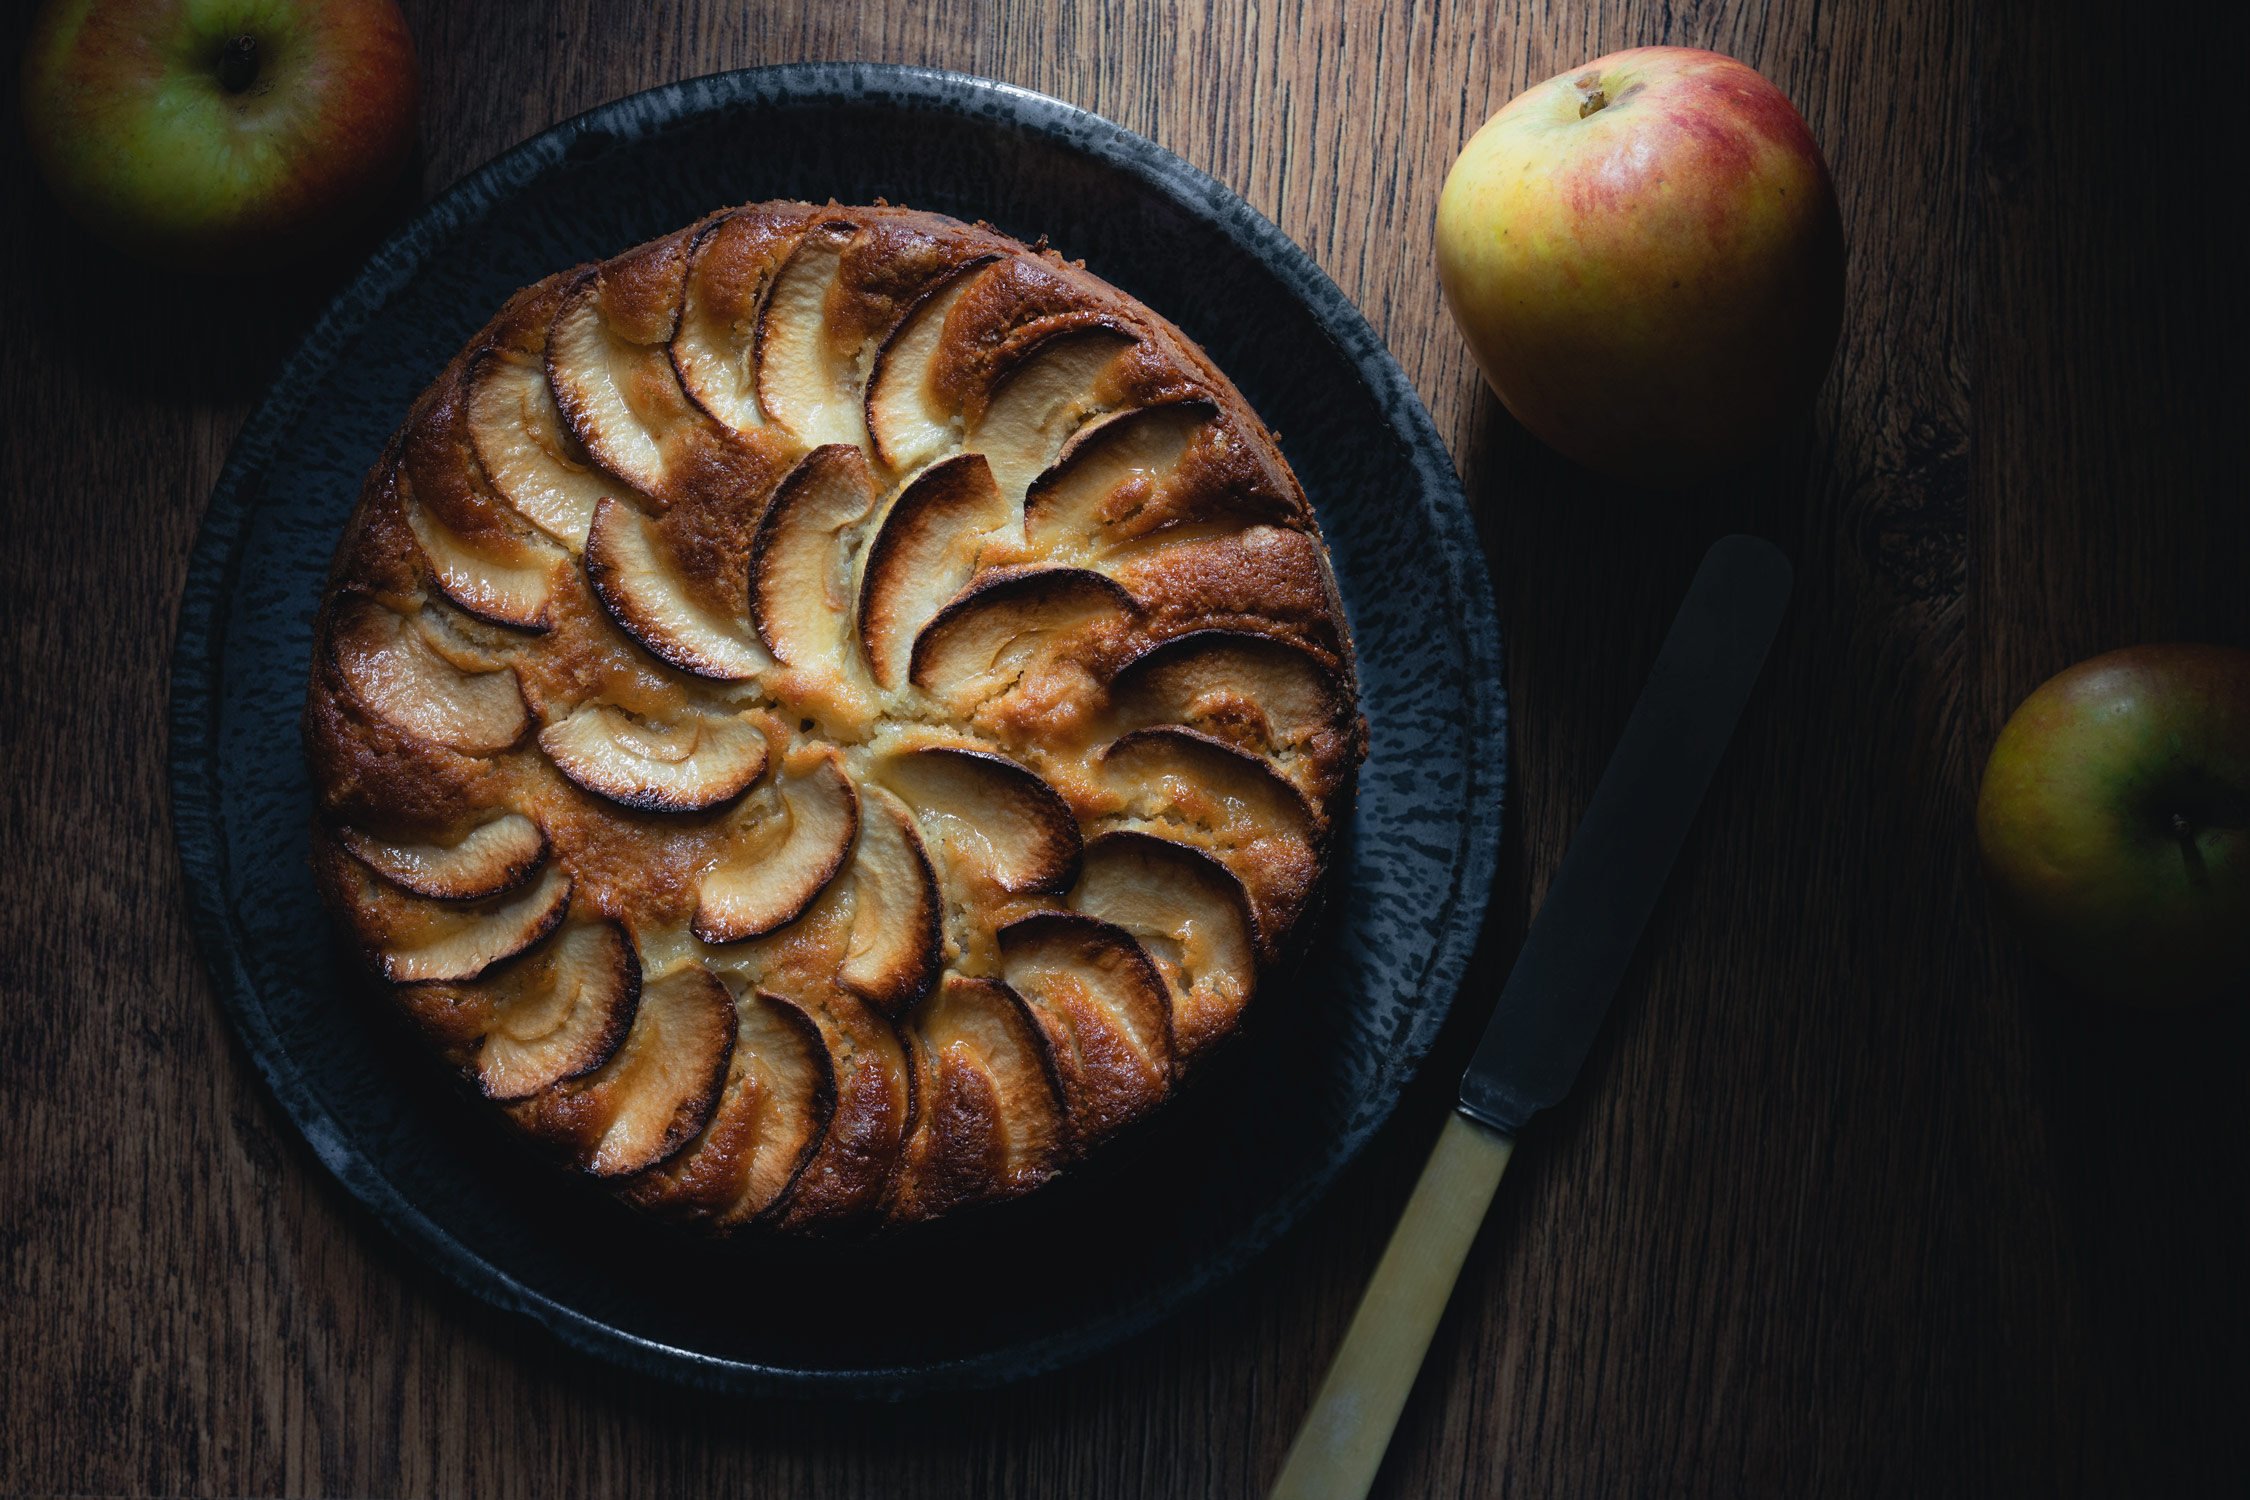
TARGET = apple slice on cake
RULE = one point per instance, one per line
(559, 1011)
(531, 459)
(410, 939)
(785, 858)
(908, 422)
(806, 383)
(991, 1124)
(1192, 918)
(392, 666)
(773, 1110)
(923, 554)
(1103, 1005)
(491, 858)
(644, 590)
(989, 814)
(654, 1093)
(693, 761)
(897, 939)
(1229, 802)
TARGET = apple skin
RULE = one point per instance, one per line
(2114, 821)
(1654, 287)
(132, 127)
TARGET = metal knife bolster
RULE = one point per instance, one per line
(1583, 938)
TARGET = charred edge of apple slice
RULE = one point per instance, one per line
(1021, 588)
(952, 488)
(710, 927)
(1100, 1100)
(1052, 815)
(490, 860)
(568, 750)
(957, 280)
(913, 965)
(610, 575)
(830, 463)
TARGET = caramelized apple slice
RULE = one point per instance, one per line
(510, 581)
(774, 1107)
(1008, 629)
(1192, 919)
(715, 348)
(656, 1092)
(897, 940)
(925, 551)
(858, 1157)
(786, 859)
(800, 564)
(1040, 404)
(557, 1012)
(698, 760)
(644, 594)
(991, 1125)
(600, 379)
(1231, 803)
(805, 383)
(1108, 1018)
(907, 421)
(1109, 485)
(497, 856)
(1258, 694)
(411, 940)
(990, 812)
(392, 666)
(517, 430)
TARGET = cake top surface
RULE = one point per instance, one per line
(825, 716)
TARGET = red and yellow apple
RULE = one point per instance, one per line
(2114, 821)
(1645, 256)
(220, 134)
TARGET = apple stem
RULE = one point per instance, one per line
(238, 64)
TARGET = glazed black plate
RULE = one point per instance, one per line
(1234, 1162)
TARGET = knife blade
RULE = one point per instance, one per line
(1551, 1008)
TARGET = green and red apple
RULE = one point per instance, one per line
(2114, 821)
(1645, 256)
(220, 134)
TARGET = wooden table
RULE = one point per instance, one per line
(1850, 1200)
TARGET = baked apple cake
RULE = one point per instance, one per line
(825, 717)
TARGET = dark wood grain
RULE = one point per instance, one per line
(1850, 1201)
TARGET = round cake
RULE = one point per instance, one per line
(824, 718)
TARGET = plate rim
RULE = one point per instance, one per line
(197, 686)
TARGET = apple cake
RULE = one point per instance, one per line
(824, 718)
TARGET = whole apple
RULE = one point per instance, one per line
(220, 134)
(2114, 822)
(1645, 256)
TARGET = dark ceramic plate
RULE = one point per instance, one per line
(1233, 1163)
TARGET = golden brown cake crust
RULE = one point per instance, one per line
(825, 716)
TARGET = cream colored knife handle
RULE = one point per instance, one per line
(1341, 1444)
